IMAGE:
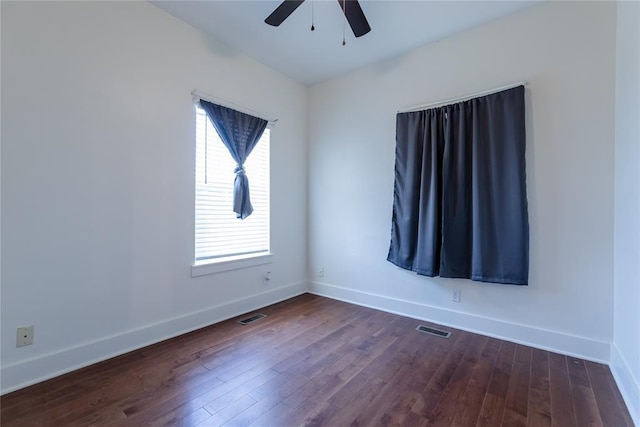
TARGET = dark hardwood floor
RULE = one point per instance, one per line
(316, 361)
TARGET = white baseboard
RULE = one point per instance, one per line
(32, 371)
(554, 341)
(628, 385)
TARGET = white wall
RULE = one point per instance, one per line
(97, 181)
(566, 51)
(625, 351)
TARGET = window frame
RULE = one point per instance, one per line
(224, 263)
(219, 265)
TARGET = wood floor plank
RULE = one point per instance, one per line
(435, 354)
(492, 410)
(400, 407)
(229, 412)
(584, 401)
(375, 409)
(323, 383)
(180, 418)
(352, 384)
(473, 398)
(539, 411)
(562, 412)
(601, 384)
(621, 403)
(434, 391)
(517, 400)
(254, 415)
(452, 400)
(321, 362)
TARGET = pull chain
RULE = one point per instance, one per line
(344, 23)
(312, 26)
(206, 149)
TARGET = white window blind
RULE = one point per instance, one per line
(219, 234)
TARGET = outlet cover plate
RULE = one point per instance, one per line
(24, 336)
(456, 295)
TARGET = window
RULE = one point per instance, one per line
(219, 235)
(460, 196)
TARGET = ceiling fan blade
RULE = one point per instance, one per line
(355, 17)
(282, 12)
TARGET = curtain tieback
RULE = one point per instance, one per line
(239, 170)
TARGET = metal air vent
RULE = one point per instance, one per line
(252, 318)
(433, 331)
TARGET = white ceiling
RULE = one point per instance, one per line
(311, 57)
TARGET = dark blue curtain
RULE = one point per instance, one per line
(239, 132)
(460, 204)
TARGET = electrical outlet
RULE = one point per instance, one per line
(456, 295)
(266, 278)
(321, 272)
(24, 336)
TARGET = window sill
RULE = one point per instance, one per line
(203, 268)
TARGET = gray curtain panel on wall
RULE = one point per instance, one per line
(460, 203)
(239, 132)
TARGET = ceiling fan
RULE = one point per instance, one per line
(351, 8)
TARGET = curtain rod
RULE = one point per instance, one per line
(461, 98)
(198, 95)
